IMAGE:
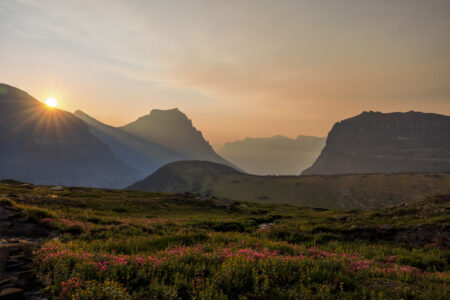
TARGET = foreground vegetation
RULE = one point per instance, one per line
(125, 244)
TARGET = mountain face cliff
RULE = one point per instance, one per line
(49, 146)
(375, 142)
(161, 137)
(278, 155)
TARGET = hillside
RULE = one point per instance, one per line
(278, 155)
(136, 245)
(375, 142)
(183, 176)
(50, 146)
(161, 137)
(341, 192)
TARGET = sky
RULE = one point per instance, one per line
(237, 68)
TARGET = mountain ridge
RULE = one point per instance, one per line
(153, 140)
(374, 142)
(50, 146)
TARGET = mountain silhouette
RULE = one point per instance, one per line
(161, 137)
(141, 154)
(49, 146)
(278, 155)
(375, 142)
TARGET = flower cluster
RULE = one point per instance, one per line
(103, 261)
(70, 285)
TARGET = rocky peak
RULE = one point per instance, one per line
(386, 142)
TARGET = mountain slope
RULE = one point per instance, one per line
(154, 140)
(50, 146)
(374, 142)
(343, 192)
(143, 155)
(276, 155)
(172, 129)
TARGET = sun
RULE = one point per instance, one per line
(52, 102)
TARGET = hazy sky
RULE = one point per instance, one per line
(236, 68)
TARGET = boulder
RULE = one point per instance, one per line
(12, 294)
(57, 188)
(385, 227)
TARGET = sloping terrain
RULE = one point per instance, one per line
(339, 191)
(374, 142)
(50, 146)
(126, 244)
(276, 155)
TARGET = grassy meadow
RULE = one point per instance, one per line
(137, 245)
(361, 191)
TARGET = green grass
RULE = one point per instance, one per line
(137, 245)
(366, 192)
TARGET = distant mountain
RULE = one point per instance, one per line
(276, 155)
(153, 140)
(172, 129)
(341, 192)
(141, 154)
(375, 142)
(49, 146)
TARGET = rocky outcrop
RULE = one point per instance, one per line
(374, 142)
(18, 240)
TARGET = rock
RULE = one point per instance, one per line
(385, 227)
(12, 267)
(202, 198)
(431, 245)
(352, 227)
(12, 294)
(343, 219)
(226, 203)
(27, 272)
(27, 186)
(6, 281)
(57, 188)
(264, 225)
